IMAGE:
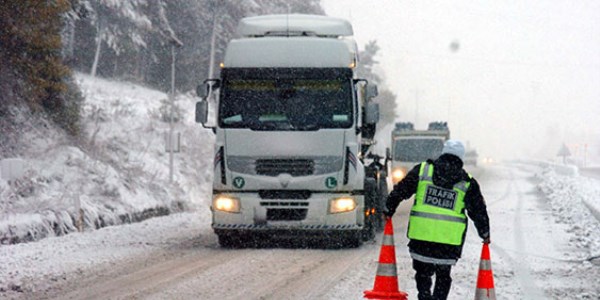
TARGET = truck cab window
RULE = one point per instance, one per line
(286, 104)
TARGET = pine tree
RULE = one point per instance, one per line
(30, 40)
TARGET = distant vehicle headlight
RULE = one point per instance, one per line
(340, 205)
(398, 174)
(226, 204)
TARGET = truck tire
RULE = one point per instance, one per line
(369, 229)
(234, 241)
(228, 241)
(354, 240)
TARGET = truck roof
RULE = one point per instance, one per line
(291, 52)
(407, 129)
(421, 133)
(294, 25)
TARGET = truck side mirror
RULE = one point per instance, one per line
(372, 91)
(372, 113)
(388, 153)
(201, 112)
(388, 156)
(202, 91)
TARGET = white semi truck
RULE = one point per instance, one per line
(410, 146)
(292, 126)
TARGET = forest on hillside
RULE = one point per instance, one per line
(43, 42)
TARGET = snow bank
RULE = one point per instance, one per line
(575, 201)
(118, 173)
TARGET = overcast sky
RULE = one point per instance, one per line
(522, 78)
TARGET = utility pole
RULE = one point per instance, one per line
(213, 41)
(416, 107)
(417, 96)
(585, 146)
(213, 46)
(174, 43)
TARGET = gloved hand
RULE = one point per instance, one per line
(388, 213)
(487, 240)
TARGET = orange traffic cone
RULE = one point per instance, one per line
(485, 279)
(386, 279)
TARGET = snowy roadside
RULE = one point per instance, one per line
(32, 267)
(575, 202)
(120, 174)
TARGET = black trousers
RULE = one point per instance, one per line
(443, 281)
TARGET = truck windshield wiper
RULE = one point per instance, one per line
(271, 126)
(308, 127)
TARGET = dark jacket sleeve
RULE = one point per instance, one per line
(477, 210)
(403, 189)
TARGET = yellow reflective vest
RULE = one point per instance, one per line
(438, 213)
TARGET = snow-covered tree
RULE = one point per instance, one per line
(120, 24)
(366, 69)
(131, 38)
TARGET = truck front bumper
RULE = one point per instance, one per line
(289, 216)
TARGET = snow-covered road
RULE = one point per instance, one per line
(536, 254)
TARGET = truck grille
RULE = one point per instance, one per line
(294, 167)
(286, 214)
(284, 194)
(285, 205)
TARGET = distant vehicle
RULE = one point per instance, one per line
(410, 146)
(488, 160)
(471, 157)
(293, 126)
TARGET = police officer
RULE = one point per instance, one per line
(444, 195)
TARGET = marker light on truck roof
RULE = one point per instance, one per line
(340, 205)
(226, 204)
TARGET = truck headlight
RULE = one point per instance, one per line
(340, 205)
(398, 174)
(226, 204)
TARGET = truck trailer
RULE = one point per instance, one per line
(292, 124)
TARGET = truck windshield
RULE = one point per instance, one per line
(417, 150)
(288, 104)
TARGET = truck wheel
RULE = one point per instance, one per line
(232, 241)
(369, 230)
(368, 233)
(226, 241)
(353, 239)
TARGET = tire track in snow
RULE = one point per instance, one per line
(517, 260)
(317, 281)
(145, 278)
(520, 265)
(507, 192)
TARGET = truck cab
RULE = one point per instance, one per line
(290, 123)
(411, 147)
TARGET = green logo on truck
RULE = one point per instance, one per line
(239, 182)
(330, 182)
